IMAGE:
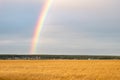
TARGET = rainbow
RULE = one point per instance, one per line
(39, 26)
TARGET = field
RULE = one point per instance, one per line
(59, 70)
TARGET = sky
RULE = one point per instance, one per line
(72, 27)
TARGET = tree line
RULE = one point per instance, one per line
(41, 57)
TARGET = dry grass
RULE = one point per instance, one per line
(60, 70)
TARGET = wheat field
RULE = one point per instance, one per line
(59, 70)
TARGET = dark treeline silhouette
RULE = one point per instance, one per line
(42, 57)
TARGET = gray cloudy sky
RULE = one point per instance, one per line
(82, 27)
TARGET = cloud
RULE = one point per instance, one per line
(15, 41)
(71, 27)
(21, 1)
(86, 4)
(15, 46)
(64, 41)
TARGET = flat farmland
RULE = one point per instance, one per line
(59, 69)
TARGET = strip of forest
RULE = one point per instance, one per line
(42, 57)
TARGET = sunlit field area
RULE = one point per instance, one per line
(59, 70)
